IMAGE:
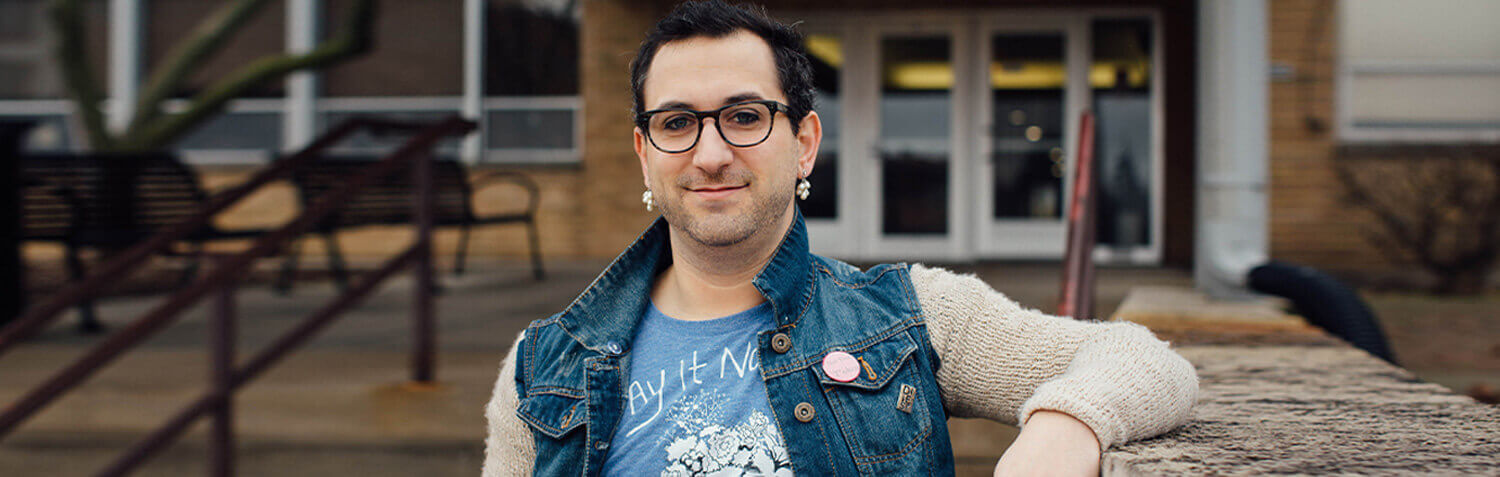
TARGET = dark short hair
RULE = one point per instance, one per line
(717, 19)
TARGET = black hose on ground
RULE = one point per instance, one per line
(1325, 302)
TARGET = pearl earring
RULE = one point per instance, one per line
(646, 199)
(803, 188)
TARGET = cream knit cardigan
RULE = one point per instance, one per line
(999, 361)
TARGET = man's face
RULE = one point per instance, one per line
(718, 194)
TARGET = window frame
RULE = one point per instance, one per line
(1347, 69)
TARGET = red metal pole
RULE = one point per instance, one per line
(221, 335)
(424, 333)
(257, 364)
(1078, 263)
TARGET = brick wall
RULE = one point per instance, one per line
(1309, 222)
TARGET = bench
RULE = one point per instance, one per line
(390, 203)
(109, 203)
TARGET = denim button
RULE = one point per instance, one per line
(804, 412)
(601, 445)
(781, 343)
(612, 347)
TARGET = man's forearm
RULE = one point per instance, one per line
(1051, 443)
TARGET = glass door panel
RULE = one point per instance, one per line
(1121, 81)
(914, 141)
(826, 53)
(1028, 82)
(1031, 91)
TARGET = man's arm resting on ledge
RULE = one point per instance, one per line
(509, 450)
(1005, 363)
(1052, 443)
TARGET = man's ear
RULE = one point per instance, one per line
(640, 153)
(809, 137)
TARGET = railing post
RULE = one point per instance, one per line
(1077, 299)
(221, 330)
(425, 329)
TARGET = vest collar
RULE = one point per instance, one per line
(604, 317)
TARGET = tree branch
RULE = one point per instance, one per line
(206, 38)
(72, 60)
(353, 38)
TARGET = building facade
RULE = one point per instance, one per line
(950, 128)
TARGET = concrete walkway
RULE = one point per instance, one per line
(342, 406)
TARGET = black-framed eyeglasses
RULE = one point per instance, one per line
(744, 124)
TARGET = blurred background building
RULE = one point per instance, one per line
(951, 127)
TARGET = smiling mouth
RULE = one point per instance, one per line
(717, 188)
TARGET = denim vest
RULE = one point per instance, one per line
(572, 367)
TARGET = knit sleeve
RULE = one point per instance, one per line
(509, 450)
(1003, 362)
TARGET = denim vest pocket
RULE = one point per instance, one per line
(883, 414)
(551, 414)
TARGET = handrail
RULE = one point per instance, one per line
(1078, 262)
(226, 378)
(42, 314)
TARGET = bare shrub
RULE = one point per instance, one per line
(1437, 208)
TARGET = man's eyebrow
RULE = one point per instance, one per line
(742, 97)
(674, 105)
(738, 98)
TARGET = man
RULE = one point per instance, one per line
(717, 344)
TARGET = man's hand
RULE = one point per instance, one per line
(1052, 443)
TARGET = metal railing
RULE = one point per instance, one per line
(1078, 262)
(222, 281)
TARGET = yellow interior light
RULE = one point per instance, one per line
(826, 48)
(937, 75)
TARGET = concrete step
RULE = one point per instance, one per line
(83, 454)
(322, 412)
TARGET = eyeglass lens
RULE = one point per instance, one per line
(740, 125)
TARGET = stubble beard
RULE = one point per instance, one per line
(725, 229)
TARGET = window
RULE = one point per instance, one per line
(31, 89)
(249, 130)
(531, 105)
(826, 53)
(1419, 71)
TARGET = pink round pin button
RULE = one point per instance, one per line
(840, 366)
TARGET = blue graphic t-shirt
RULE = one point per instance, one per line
(696, 403)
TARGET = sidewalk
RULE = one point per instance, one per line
(341, 405)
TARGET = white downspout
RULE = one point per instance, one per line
(127, 46)
(1233, 132)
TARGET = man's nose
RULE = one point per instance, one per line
(712, 153)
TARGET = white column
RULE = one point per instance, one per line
(472, 147)
(126, 48)
(299, 118)
(1233, 132)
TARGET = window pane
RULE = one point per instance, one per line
(531, 48)
(1447, 101)
(1027, 77)
(26, 48)
(915, 105)
(364, 143)
(260, 131)
(1425, 30)
(1121, 80)
(418, 51)
(49, 133)
(827, 54)
(170, 21)
(530, 129)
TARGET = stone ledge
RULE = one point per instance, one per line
(1278, 396)
(1304, 410)
(1184, 316)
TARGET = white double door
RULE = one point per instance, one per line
(957, 137)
